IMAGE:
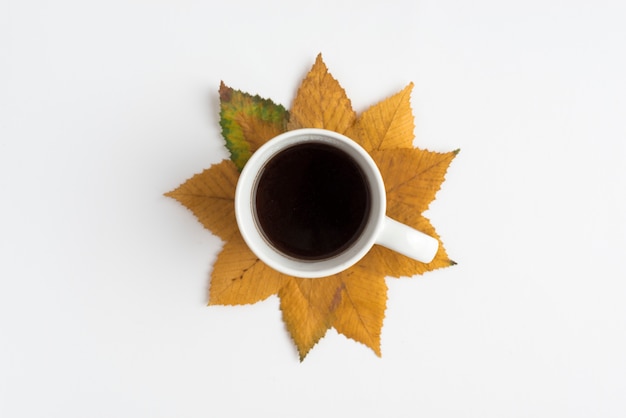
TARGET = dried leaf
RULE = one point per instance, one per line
(412, 178)
(353, 301)
(239, 277)
(248, 122)
(393, 264)
(210, 195)
(308, 307)
(321, 102)
(361, 311)
(386, 125)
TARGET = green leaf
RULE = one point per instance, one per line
(248, 122)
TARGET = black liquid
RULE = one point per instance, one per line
(312, 201)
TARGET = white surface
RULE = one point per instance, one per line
(106, 105)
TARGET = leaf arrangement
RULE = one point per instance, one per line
(352, 302)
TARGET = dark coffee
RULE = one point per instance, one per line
(312, 201)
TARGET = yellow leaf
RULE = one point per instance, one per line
(257, 131)
(353, 301)
(321, 102)
(239, 277)
(386, 125)
(412, 178)
(362, 308)
(308, 307)
(393, 264)
(210, 196)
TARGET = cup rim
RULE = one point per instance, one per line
(246, 220)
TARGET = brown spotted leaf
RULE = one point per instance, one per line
(308, 307)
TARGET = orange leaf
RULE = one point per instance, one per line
(412, 178)
(362, 308)
(257, 131)
(308, 307)
(210, 196)
(321, 102)
(354, 301)
(239, 277)
(386, 125)
(393, 264)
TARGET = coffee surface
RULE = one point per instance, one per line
(312, 201)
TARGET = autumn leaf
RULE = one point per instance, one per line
(412, 178)
(210, 195)
(362, 307)
(386, 125)
(321, 102)
(248, 122)
(308, 307)
(236, 273)
(393, 264)
(353, 301)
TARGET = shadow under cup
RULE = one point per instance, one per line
(310, 203)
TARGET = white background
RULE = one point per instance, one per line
(106, 105)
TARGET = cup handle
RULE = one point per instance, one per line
(407, 241)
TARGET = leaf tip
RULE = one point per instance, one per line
(304, 351)
(172, 194)
(319, 62)
(225, 92)
(376, 349)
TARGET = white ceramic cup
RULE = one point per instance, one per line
(378, 229)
